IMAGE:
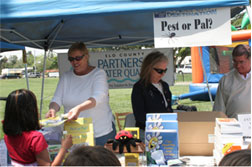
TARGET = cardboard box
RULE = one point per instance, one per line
(194, 128)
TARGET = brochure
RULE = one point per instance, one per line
(53, 121)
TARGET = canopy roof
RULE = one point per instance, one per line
(4, 47)
(56, 24)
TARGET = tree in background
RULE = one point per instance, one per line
(12, 62)
(3, 62)
(182, 53)
(32, 61)
(53, 61)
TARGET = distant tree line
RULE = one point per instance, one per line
(35, 62)
(52, 60)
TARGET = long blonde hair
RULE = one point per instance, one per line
(148, 63)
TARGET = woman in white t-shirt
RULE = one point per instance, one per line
(83, 91)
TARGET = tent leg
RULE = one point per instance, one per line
(26, 77)
(58, 28)
(42, 89)
(204, 72)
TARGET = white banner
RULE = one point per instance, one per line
(192, 27)
(122, 67)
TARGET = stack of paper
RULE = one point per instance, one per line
(228, 136)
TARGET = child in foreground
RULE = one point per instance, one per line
(91, 156)
(26, 145)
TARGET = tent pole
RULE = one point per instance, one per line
(58, 28)
(26, 77)
(20, 35)
(204, 72)
(42, 89)
(25, 64)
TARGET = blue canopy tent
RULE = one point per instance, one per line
(4, 47)
(52, 24)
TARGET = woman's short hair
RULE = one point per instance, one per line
(21, 113)
(78, 46)
(237, 158)
(241, 50)
(91, 156)
(148, 63)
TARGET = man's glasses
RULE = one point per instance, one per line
(77, 58)
(238, 62)
(160, 71)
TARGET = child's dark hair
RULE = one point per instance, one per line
(237, 158)
(21, 113)
(91, 156)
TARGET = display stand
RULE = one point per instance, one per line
(138, 149)
(134, 158)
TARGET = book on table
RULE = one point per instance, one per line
(161, 146)
(228, 130)
(161, 138)
(228, 137)
(228, 125)
(227, 122)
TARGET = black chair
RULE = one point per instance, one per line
(3, 98)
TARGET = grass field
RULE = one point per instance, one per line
(119, 98)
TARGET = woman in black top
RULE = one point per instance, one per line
(151, 94)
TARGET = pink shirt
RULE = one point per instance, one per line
(23, 149)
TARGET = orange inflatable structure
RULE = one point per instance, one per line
(197, 70)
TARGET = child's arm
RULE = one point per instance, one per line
(65, 145)
(43, 157)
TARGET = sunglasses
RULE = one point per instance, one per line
(77, 58)
(160, 71)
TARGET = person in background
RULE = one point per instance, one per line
(26, 145)
(234, 91)
(83, 91)
(237, 158)
(91, 156)
(151, 94)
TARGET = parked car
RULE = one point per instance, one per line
(33, 75)
(10, 76)
(184, 69)
(53, 74)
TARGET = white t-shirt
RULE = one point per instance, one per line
(73, 90)
(160, 88)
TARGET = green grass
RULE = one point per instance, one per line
(183, 77)
(120, 99)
